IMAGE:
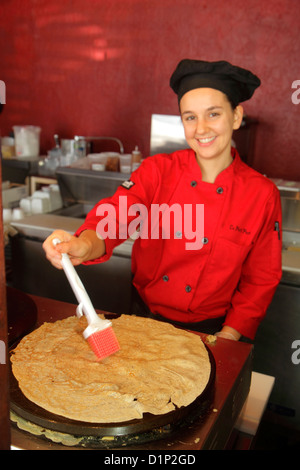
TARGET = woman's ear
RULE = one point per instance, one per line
(238, 113)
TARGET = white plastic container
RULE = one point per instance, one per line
(40, 205)
(98, 161)
(7, 215)
(25, 204)
(27, 141)
(17, 214)
(125, 163)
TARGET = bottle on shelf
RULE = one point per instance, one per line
(136, 158)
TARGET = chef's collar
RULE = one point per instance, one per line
(225, 177)
(237, 83)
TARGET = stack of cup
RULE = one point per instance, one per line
(125, 162)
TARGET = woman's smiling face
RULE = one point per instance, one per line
(209, 121)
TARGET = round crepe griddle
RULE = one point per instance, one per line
(137, 431)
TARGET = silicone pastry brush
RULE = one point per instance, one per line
(99, 333)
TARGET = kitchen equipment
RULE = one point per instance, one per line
(17, 170)
(206, 425)
(12, 194)
(88, 140)
(290, 203)
(84, 186)
(167, 134)
(110, 435)
(27, 141)
(99, 333)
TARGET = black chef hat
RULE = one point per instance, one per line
(237, 83)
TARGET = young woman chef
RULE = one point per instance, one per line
(225, 281)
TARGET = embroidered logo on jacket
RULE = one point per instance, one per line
(127, 184)
(236, 228)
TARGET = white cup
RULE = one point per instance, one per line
(17, 214)
(7, 215)
(125, 162)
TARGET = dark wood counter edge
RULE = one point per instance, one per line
(4, 369)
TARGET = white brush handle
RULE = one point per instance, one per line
(85, 304)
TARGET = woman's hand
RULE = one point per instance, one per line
(229, 333)
(83, 248)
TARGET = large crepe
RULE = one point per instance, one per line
(157, 368)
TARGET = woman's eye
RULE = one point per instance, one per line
(212, 115)
(190, 118)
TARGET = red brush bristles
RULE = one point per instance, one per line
(104, 343)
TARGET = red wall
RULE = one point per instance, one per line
(102, 67)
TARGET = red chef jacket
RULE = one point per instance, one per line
(236, 269)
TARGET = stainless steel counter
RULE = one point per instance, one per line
(40, 226)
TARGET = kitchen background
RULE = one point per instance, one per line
(99, 67)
